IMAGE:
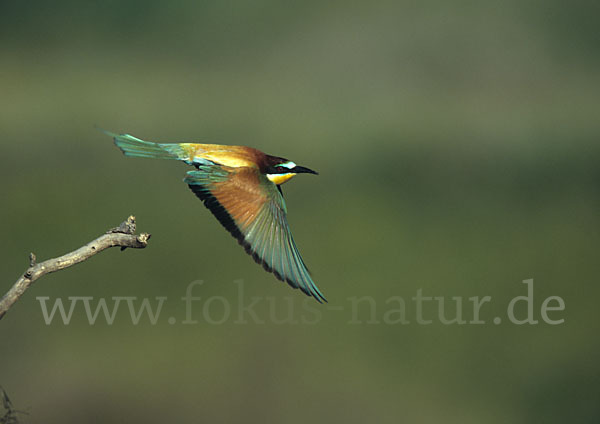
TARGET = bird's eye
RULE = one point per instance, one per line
(279, 170)
(273, 170)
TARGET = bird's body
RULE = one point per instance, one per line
(241, 186)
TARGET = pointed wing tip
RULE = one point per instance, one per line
(320, 299)
(318, 296)
(309, 291)
(312, 292)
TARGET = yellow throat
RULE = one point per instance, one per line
(280, 178)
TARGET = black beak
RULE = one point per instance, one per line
(302, 170)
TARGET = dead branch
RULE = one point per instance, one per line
(122, 236)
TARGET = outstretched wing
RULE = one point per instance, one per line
(251, 208)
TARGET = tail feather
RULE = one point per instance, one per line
(132, 146)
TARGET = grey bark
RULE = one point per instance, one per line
(123, 236)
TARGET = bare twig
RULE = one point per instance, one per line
(10, 413)
(122, 236)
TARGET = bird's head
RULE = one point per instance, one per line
(280, 170)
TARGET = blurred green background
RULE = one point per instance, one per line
(457, 145)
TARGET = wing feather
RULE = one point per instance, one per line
(252, 209)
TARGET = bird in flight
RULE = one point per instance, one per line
(241, 186)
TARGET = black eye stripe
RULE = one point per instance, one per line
(278, 169)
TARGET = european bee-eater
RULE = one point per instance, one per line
(241, 186)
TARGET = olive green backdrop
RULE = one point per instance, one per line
(458, 151)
